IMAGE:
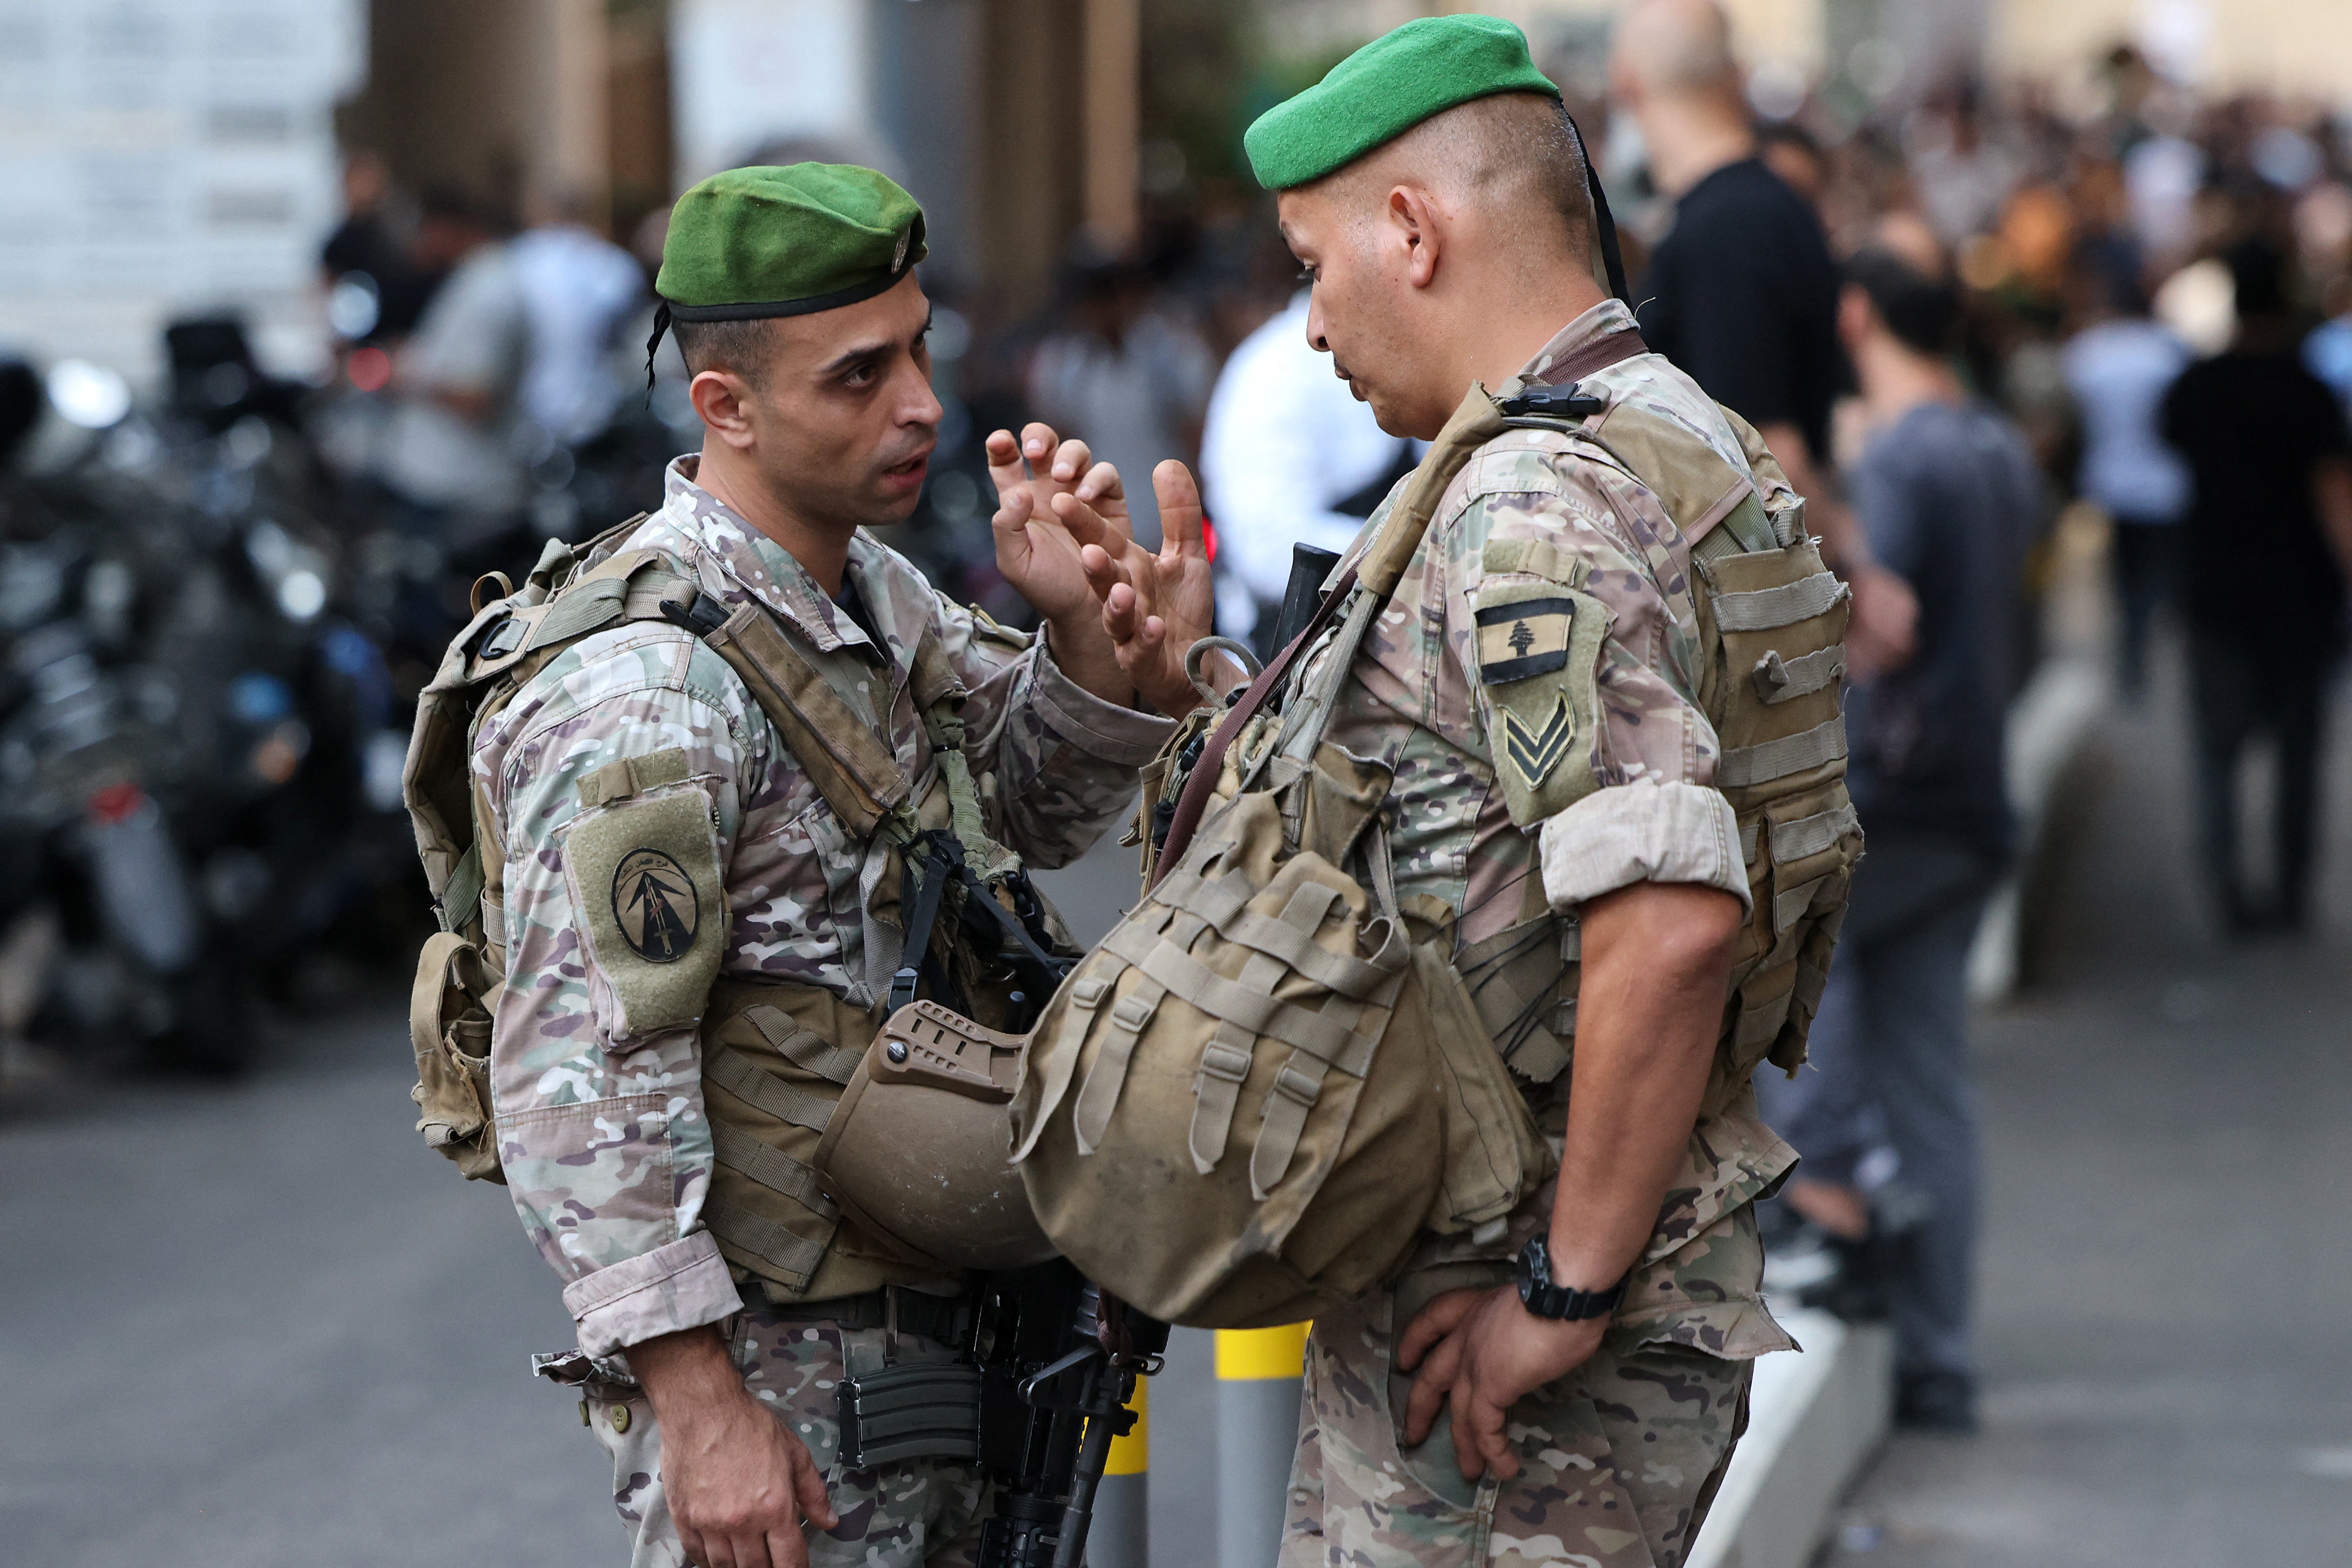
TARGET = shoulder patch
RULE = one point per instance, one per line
(1540, 646)
(643, 876)
(1521, 638)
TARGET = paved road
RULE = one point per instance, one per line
(262, 1327)
(2169, 1248)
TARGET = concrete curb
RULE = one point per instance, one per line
(2047, 726)
(1814, 1420)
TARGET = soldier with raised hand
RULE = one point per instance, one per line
(1540, 687)
(660, 853)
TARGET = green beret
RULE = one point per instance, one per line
(787, 241)
(1385, 90)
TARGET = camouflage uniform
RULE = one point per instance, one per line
(927, 1512)
(1620, 1457)
(602, 1136)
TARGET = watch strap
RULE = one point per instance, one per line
(1559, 1302)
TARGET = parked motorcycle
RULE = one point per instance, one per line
(198, 757)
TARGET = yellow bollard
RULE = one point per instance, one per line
(1119, 1536)
(1260, 1372)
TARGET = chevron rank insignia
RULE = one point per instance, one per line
(1534, 752)
(1524, 638)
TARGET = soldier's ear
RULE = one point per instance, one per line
(1411, 224)
(721, 399)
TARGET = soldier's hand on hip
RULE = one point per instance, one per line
(1479, 1353)
(738, 1480)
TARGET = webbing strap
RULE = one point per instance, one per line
(585, 606)
(1283, 939)
(1225, 1061)
(1216, 902)
(1295, 1089)
(771, 1168)
(1761, 763)
(941, 696)
(462, 894)
(766, 1239)
(1781, 680)
(748, 1081)
(1770, 609)
(1261, 1014)
(1099, 1096)
(1748, 838)
(1812, 835)
(1086, 997)
(1789, 907)
(803, 1046)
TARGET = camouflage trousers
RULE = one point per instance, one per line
(920, 1511)
(1618, 1461)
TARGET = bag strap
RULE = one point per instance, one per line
(1377, 572)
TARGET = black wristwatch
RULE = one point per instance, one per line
(1545, 1300)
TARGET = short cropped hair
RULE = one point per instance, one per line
(1922, 312)
(739, 346)
(1516, 150)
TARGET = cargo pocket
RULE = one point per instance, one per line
(449, 1028)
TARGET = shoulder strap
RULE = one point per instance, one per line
(856, 773)
(1377, 571)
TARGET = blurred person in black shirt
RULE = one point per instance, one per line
(368, 243)
(2268, 547)
(1742, 293)
(1950, 499)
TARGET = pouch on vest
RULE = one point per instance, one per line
(450, 1030)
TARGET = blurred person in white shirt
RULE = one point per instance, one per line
(2118, 368)
(449, 448)
(1288, 457)
(577, 288)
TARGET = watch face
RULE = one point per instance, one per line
(1527, 1291)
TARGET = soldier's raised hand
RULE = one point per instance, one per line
(1035, 549)
(1154, 607)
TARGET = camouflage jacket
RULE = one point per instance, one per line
(602, 1136)
(1640, 773)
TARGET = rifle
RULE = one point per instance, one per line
(1059, 1361)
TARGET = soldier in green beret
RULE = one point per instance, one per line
(1575, 778)
(708, 755)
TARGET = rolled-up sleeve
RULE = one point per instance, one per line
(1652, 832)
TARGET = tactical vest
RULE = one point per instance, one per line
(1273, 1077)
(776, 1057)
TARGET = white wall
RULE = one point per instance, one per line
(746, 71)
(161, 156)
